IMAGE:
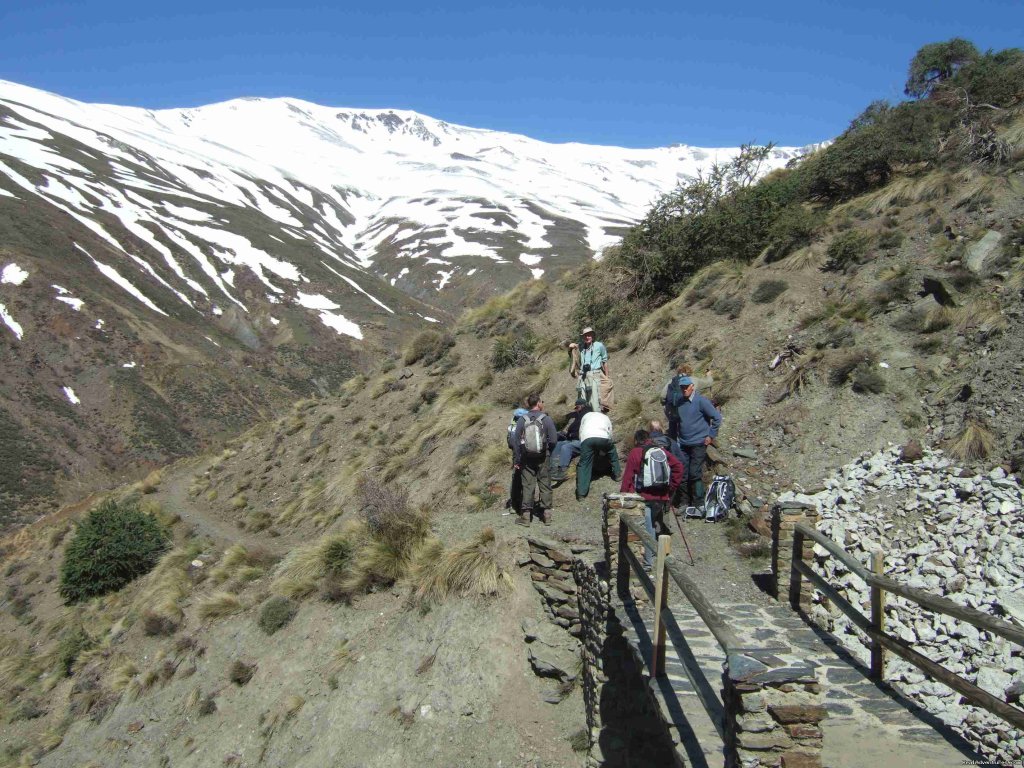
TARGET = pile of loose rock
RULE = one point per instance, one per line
(948, 532)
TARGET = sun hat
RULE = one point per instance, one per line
(586, 330)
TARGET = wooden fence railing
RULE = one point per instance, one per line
(666, 566)
(874, 626)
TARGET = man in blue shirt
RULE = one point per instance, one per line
(593, 372)
(699, 422)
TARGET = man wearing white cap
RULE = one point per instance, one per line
(593, 384)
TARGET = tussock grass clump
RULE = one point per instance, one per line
(974, 442)
(480, 566)
(241, 673)
(277, 613)
(218, 605)
(456, 420)
(115, 544)
(768, 291)
(845, 363)
(513, 350)
(655, 326)
(428, 347)
(726, 387)
(984, 316)
(804, 258)
(632, 410)
(164, 590)
(240, 565)
(301, 571)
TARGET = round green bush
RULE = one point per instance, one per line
(115, 544)
(276, 613)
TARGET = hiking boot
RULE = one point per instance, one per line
(523, 519)
(546, 517)
(558, 478)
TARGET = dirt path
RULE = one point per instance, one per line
(205, 520)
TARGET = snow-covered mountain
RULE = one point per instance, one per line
(171, 275)
(424, 204)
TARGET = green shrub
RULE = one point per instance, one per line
(336, 555)
(768, 291)
(71, 645)
(513, 350)
(428, 347)
(115, 544)
(846, 249)
(890, 238)
(276, 613)
(794, 227)
(730, 306)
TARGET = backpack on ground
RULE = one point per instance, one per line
(535, 444)
(654, 472)
(720, 497)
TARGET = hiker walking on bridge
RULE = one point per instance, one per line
(699, 422)
(533, 439)
(654, 473)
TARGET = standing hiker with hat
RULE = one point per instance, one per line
(590, 367)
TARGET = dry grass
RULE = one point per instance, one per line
(121, 674)
(811, 256)
(974, 442)
(340, 658)
(481, 566)
(240, 565)
(455, 420)
(495, 457)
(938, 318)
(218, 605)
(303, 568)
(168, 585)
(726, 387)
(631, 411)
(655, 326)
(983, 315)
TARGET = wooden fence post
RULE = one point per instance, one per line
(660, 604)
(794, 573)
(877, 617)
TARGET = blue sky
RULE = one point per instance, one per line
(706, 74)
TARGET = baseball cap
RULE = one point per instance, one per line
(519, 412)
(685, 381)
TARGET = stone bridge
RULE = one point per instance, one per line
(785, 694)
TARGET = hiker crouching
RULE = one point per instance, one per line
(532, 441)
(699, 422)
(654, 473)
(595, 442)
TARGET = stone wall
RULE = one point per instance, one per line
(550, 564)
(773, 710)
(785, 517)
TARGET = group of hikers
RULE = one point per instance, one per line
(665, 467)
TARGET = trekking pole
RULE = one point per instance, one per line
(685, 542)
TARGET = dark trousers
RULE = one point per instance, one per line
(515, 492)
(536, 476)
(590, 449)
(691, 490)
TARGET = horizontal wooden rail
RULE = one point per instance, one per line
(874, 630)
(707, 612)
(932, 602)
